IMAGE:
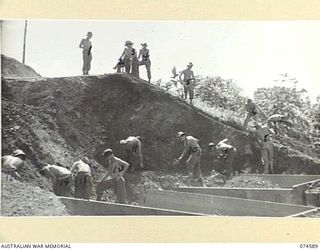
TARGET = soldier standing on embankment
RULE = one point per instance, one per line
(264, 135)
(134, 153)
(82, 179)
(116, 169)
(130, 59)
(252, 112)
(188, 82)
(191, 148)
(12, 163)
(145, 60)
(86, 47)
(60, 177)
(227, 153)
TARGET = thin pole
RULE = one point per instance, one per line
(24, 42)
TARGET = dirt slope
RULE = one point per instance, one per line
(23, 199)
(11, 67)
(62, 119)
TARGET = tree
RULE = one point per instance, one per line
(218, 92)
(287, 100)
(315, 116)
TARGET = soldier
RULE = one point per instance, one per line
(144, 53)
(11, 164)
(188, 82)
(86, 47)
(275, 119)
(116, 169)
(130, 59)
(119, 66)
(193, 150)
(82, 179)
(264, 135)
(60, 177)
(134, 153)
(252, 112)
(227, 153)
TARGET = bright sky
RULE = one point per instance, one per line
(254, 53)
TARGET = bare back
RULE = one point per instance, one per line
(80, 166)
(187, 74)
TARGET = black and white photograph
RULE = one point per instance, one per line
(160, 118)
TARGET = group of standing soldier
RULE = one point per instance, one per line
(130, 60)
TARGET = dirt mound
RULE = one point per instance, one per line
(85, 115)
(165, 180)
(60, 120)
(11, 67)
(249, 182)
(23, 199)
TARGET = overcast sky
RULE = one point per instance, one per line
(254, 53)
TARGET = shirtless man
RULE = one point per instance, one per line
(116, 169)
(264, 135)
(275, 119)
(188, 82)
(226, 153)
(86, 47)
(252, 112)
(82, 179)
(134, 153)
(145, 59)
(130, 59)
(60, 177)
(193, 150)
(11, 164)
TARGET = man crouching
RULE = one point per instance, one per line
(115, 171)
(60, 177)
(82, 179)
(227, 153)
(11, 164)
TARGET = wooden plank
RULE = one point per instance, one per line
(306, 213)
(299, 192)
(284, 180)
(94, 208)
(219, 205)
(281, 195)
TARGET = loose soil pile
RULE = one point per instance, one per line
(11, 67)
(249, 182)
(23, 199)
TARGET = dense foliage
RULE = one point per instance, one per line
(218, 92)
